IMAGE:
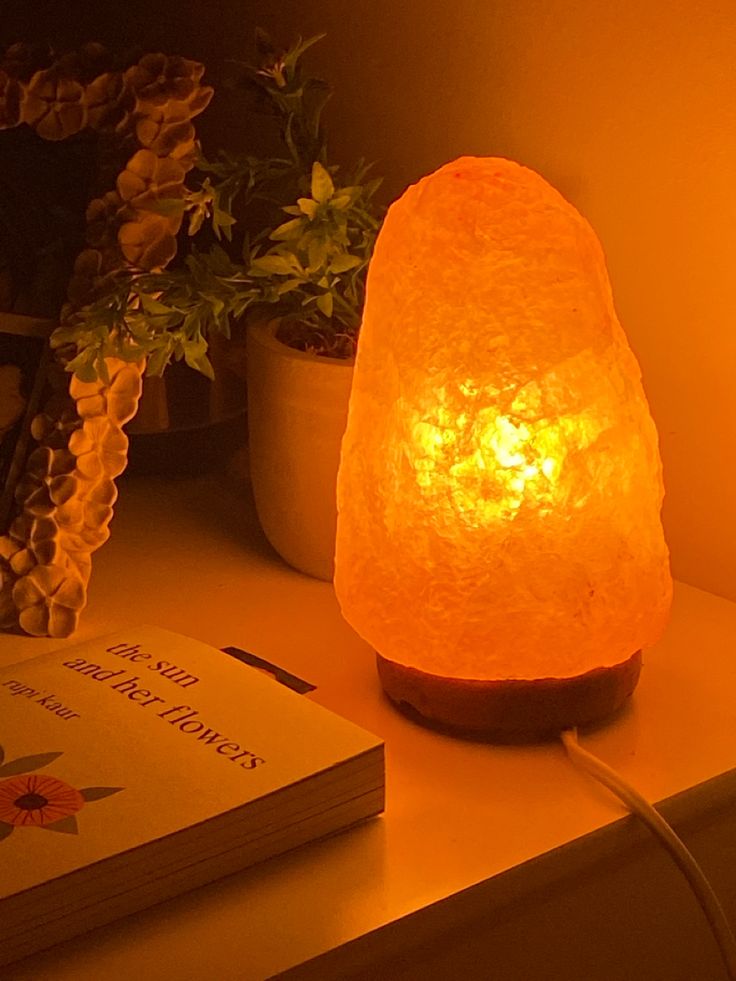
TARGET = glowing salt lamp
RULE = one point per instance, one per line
(499, 540)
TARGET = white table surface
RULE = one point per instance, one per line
(188, 555)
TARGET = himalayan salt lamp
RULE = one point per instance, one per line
(499, 540)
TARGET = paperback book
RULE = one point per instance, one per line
(136, 766)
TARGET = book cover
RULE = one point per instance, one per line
(144, 763)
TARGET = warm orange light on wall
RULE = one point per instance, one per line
(499, 540)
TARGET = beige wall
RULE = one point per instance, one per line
(630, 109)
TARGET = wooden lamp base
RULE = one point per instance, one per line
(509, 711)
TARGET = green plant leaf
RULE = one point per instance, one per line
(202, 364)
(157, 361)
(97, 793)
(222, 222)
(341, 263)
(269, 264)
(83, 366)
(322, 187)
(218, 261)
(297, 50)
(316, 254)
(340, 201)
(288, 230)
(168, 207)
(27, 763)
(196, 219)
(217, 306)
(325, 303)
(307, 206)
(352, 192)
(153, 307)
(287, 286)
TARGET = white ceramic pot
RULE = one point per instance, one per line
(297, 411)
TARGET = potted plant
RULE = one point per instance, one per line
(290, 243)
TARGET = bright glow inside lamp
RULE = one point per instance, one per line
(499, 539)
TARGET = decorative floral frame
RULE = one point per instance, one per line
(64, 499)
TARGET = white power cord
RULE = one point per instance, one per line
(638, 805)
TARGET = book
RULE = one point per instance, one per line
(142, 764)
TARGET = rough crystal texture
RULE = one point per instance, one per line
(500, 484)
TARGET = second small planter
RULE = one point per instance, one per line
(297, 411)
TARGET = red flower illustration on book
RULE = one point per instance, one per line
(34, 799)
